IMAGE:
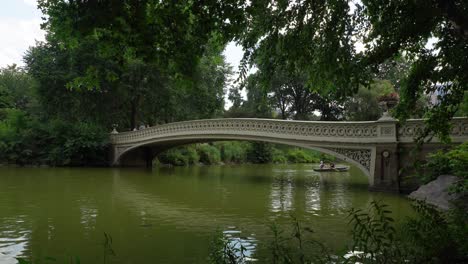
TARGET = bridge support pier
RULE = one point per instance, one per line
(385, 169)
(385, 172)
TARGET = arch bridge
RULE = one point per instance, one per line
(381, 149)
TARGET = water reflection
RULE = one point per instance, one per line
(339, 202)
(14, 239)
(169, 215)
(243, 246)
(12, 249)
(281, 195)
(312, 195)
(317, 193)
(88, 215)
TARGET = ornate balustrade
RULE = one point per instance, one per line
(347, 132)
(413, 127)
(323, 131)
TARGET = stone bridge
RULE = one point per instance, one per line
(381, 149)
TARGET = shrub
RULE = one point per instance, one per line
(24, 140)
(327, 158)
(297, 155)
(232, 151)
(434, 236)
(209, 154)
(453, 162)
(278, 156)
(173, 157)
(438, 163)
(374, 236)
(181, 156)
(260, 152)
(74, 143)
(192, 155)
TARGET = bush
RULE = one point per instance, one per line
(192, 155)
(278, 156)
(74, 144)
(13, 129)
(260, 152)
(173, 157)
(24, 140)
(453, 162)
(181, 156)
(434, 236)
(438, 163)
(232, 151)
(209, 154)
(327, 158)
(297, 155)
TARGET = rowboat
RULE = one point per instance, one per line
(336, 169)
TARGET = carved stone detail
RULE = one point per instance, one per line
(354, 130)
(387, 131)
(413, 128)
(362, 156)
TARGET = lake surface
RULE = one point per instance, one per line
(169, 215)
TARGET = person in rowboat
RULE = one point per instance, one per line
(322, 164)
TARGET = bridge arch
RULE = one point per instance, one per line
(375, 147)
(154, 147)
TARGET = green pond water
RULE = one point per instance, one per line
(169, 215)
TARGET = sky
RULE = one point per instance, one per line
(20, 22)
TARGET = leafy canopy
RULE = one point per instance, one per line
(342, 44)
(339, 44)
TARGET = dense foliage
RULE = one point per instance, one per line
(150, 62)
(449, 162)
(230, 152)
(26, 140)
(75, 88)
(142, 94)
(338, 45)
(341, 45)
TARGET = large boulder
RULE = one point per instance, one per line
(436, 192)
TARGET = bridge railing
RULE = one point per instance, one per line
(329, 131)
(413, 127)
(326, 131)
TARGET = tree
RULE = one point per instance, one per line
(138, 81)
(57, 70)
(172, 34)
(321, 37)
(288, 93)
(158, 61)
(142, 93)
(463, 111)
(364, 105)
(16, 88)
(394, 70)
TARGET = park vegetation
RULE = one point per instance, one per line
(125, 64)
(238, 152)
(430, 236)
(150, 62)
